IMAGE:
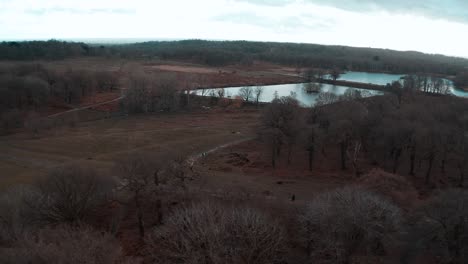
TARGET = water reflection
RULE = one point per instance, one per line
(270, 91)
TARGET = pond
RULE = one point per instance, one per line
(308, 99)
(384, 78)
(305, 99)
(368, 77)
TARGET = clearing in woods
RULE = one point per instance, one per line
(98, 143)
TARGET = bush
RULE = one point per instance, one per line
(213, 233)
(442, 227)
(335, 225)
(64, 245)
(70, 193)
(15, 213)
(396, 187)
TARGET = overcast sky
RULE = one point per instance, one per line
(433, 26)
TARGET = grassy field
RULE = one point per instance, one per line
(98, 143)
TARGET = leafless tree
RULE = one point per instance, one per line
(258, 91)
(137, 94)
(246, 93)
(281, 124)
(105, 81)
(70, 193)
(164, 94)
(220, 92)
(151, 93)
(335, 74)
(137, 172)
(209, 232)
(396, 187)
(442, 227)
(64, 245)
(16, 215)
(10, 120)
(345, 126)
(338, 223)
(325, 98)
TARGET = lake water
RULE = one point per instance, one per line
(384, 78)
(306, 99)
(367, 77)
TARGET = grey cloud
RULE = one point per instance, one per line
(285, 24)
(453, 10)
(267, 2)
(43, 11)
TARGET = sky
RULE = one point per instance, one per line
(431, 26)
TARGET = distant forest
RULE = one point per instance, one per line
(220, 53)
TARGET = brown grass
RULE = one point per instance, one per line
(98, 143)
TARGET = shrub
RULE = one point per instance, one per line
(442, 227)
(335, 225)
(70, 193)
(64, 245)
(396, 187)
(213, 233)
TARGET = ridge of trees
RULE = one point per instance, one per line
(218, 53)
(399, 133)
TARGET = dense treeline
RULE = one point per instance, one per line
(301, 55)
(218, 53)
(401, 133)
(32, 87)
(462, 80)
(60, 219)
(27, 86)
(48, 50)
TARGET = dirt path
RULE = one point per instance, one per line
(191, 160)
(86, 107)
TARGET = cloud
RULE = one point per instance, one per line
(451, 10)
(44, 11)
(283, 24)
(267, 2)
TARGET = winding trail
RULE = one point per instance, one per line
(191, 160)
(86, 107)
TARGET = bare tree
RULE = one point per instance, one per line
(16, 215)
(220, 92)
(64, 245)
(336, 224)
(442, 227)
(345, 122)
(216, 233)
(325, 98)
(258, 93)
(70, 193)
(137, 172)
(335, 74)
(395, 187)
(281, 124)
(10, 120)
(105, 81)
(137, 95)
(246, 93)
(164, 94)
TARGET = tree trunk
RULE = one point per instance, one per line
(429, 168)
(159, 214)
(412, 160)
(343, 155)
(442, 164)
(141, 225)
(289, 154)
(311, 157)
(395, 160)
(461, 181)
(273, 155)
